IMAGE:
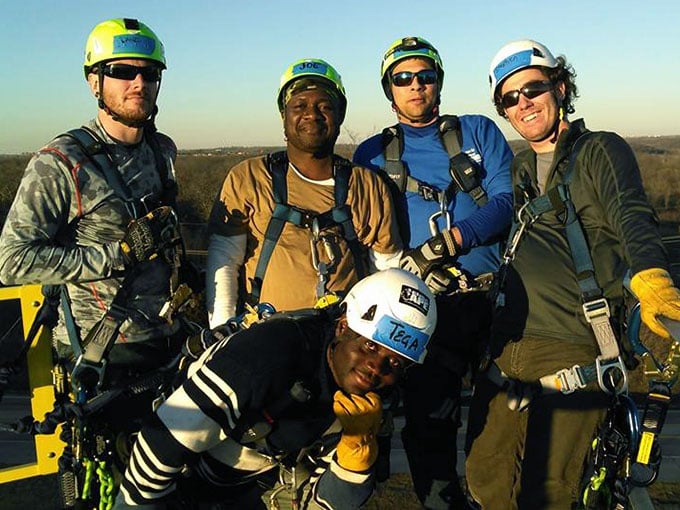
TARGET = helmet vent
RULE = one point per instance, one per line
(370, 313)
(131, 24)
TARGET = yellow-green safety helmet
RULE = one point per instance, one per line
(122, 38)
(311, 68)
(409, 47)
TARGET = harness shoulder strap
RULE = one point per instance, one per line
(94, 147)
(463, 169)
(342, 214)
(169, 196)
(277, 164)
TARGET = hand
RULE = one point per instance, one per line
(147, 236)
(432, 253)
(658, 297)
(360, 418)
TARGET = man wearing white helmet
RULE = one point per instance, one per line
(582, 221)
(452, 189)
(293, 398)
(304, 224)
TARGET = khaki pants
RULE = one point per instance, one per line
(532, 459)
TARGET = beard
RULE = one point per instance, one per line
(128, 109)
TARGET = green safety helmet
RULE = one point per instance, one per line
(122, 38)
(316, 70)
(409, 47)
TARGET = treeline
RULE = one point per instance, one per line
(200, 175)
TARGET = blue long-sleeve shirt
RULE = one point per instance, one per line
(427, 160)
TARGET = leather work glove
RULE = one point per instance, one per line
(360, 419)
(425, 261)
(147, 236)
(658, 297)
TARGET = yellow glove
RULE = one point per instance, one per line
(658, 296)
(360, 419)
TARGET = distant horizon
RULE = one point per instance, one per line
(276, 146)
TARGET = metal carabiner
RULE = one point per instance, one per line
(443, 211)
(321, 268)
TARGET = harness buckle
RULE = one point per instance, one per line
(610, 368)
(429, 193)
(597, 309)
(81, 374)
(570, 379)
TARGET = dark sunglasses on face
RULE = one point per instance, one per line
(130, 72)
(529, 90)
(405, 78)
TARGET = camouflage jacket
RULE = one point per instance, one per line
(65, 224)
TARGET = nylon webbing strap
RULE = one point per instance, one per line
(343, 215)
(95, 149)
(340, 214)
(393, 147)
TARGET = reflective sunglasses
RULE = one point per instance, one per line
(529, 90)
(405, 78)
(130, 72)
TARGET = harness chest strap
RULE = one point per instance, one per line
(340, 214)
(461, 167)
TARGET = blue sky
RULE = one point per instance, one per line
(225, 59)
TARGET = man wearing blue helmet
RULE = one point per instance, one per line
(285, 414)
(582, 221)
(452, 186)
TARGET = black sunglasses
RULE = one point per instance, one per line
(130, 72)
(405, 78)
(529, 90)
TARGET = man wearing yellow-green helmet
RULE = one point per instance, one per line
(93, 221)
(304, 223)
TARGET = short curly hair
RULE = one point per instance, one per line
(564, 72)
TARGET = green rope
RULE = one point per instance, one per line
(105, 486)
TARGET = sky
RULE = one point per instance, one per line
(225, 59)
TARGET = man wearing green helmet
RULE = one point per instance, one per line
(305, 224)
(93, 220)
(452, 183)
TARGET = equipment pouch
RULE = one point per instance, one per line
(465, 172)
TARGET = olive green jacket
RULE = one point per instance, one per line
(543, 299)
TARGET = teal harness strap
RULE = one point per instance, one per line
(340, 214)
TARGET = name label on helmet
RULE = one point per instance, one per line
(306, 67)
(401, 338)
(133, 43)
(509, 64)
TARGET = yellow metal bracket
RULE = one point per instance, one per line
(48, 448)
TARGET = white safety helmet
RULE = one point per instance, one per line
(515, 56)
(395, 309)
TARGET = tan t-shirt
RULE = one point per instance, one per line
(246, 204)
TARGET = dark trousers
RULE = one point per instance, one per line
(432, 395)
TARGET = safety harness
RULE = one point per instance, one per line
(90, 453)
(91, 352)
(340, 215)
(625, 451)
(465, 172)
(609, 369)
